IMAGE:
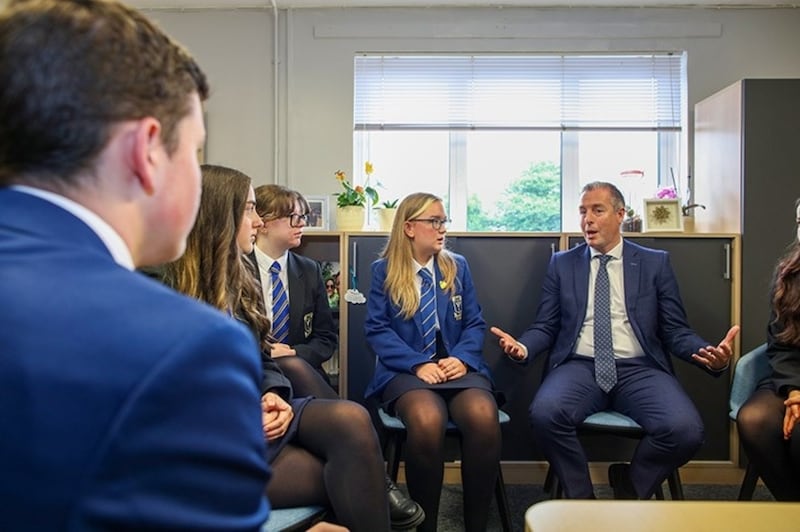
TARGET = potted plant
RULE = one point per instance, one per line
(386, 211)
(632, 222)
(351, 203)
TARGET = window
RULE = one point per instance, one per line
(508, 141)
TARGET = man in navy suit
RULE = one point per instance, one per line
(645, 321)
(124, 405)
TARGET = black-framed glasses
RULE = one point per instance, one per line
(436, 223)
(295, 219)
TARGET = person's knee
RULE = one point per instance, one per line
(683, 434)
(545, 415)
(354, 413)
(753, 420)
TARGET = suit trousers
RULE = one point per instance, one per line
(644, 392)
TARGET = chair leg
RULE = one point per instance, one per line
(551, 484)
(748, 483)
(548, 480)
(502, 500)
(675, 486)
(393, 445)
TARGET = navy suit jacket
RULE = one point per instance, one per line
(124, 405)
(398, 342)
(652, 301)
(312, 333)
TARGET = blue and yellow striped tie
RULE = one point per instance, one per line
(280, 305)
(427, 311)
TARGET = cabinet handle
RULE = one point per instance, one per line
(727, 273)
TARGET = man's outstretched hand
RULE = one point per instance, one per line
(718, 358)
(509, 344)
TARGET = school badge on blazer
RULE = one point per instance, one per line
(308, 322)
(457, 310)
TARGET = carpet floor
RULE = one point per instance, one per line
(522, 496)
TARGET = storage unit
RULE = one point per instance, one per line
(747, 173)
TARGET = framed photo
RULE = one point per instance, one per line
(662, 215)
(317, 213)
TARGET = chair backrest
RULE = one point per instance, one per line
(750, 370)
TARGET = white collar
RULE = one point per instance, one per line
(108, 235)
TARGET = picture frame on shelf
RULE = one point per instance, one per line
(662, 215)
(318, 213)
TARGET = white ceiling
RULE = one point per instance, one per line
(231, 4)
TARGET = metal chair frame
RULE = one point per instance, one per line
(396, 433)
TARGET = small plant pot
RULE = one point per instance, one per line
(350, 218)
(386, 218)
(632, 225)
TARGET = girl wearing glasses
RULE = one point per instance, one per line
(322, 452)
(426, 328)
(310, 337)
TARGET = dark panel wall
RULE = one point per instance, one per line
(508, 273)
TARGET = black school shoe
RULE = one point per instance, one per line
(404, 513)
(619, 478)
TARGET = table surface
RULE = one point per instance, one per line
(658, 516)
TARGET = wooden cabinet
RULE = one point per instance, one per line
(325, 247)
(508, 270)
(747, 173)
(703, 268)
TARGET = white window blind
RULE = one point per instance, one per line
(541, 92)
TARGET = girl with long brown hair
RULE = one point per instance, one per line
(322, 452)
(768, 421)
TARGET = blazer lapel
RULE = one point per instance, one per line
(297, 288)
(442, 297)
(581, 272)
(631, 271)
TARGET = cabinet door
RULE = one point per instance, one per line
(360, 362)
(324, 248)
(702, 268)
(508, 274)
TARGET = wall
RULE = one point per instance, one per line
(316, 49)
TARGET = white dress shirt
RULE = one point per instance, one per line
(625, 343)
(418, 281)
(264, 264)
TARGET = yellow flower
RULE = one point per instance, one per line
(359, 189)
(340, 175)
(368, 168)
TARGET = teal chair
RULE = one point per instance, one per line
(751, 369)
(396, 432)
(613, 423)
(293, 519)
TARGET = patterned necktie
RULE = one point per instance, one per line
(427, 311)
(280, 305)
(605, 369)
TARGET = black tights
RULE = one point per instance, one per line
(777, 461)
(425, 414)
(335, 460)
(306, 380)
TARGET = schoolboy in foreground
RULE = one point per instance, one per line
(125, 406)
